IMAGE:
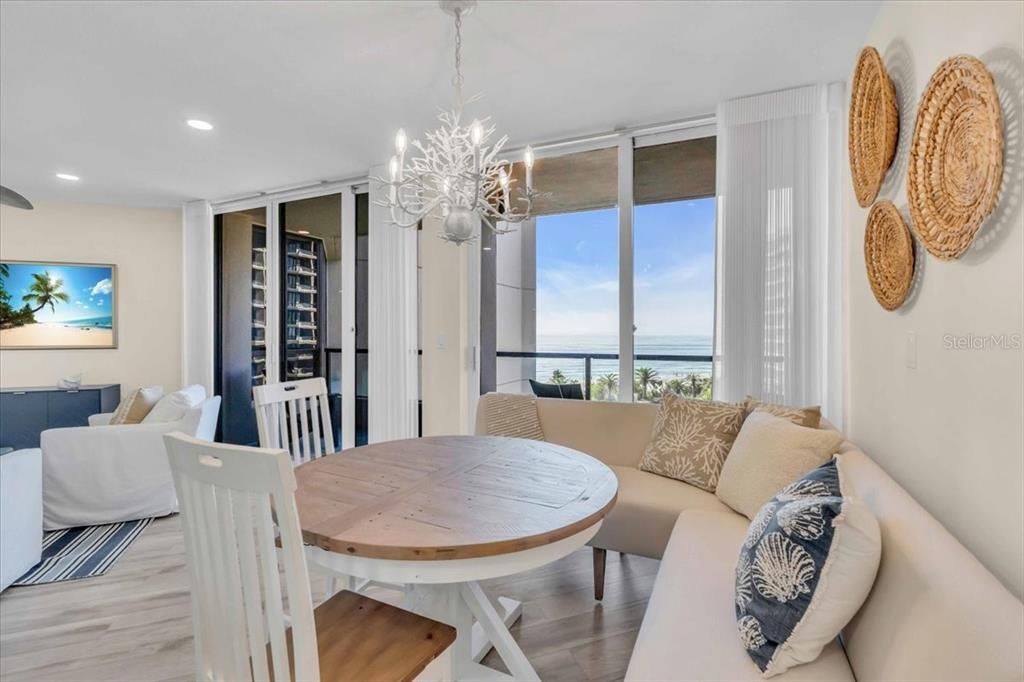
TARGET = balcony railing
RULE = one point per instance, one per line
(588, 359)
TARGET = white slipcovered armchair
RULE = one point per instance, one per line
(105, 474)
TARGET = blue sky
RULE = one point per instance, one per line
(674, 270)
(90, 289)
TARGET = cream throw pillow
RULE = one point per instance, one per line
(801, 416)
(134, 408)
(770, 453)
(691, 439)
(513, 416)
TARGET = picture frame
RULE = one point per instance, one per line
(58, 305)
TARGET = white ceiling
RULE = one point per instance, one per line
(305, 91)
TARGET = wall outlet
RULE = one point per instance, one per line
(442, 342)
(911, 350)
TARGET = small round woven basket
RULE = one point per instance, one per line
(888, 255)
(874, 125)
(956, 158)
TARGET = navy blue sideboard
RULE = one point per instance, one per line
(27, 412)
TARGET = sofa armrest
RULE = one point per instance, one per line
(106, 440)
(102, 419)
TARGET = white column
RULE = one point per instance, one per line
(348, 319)
(197, 294)
(625, 175)
(393, 356)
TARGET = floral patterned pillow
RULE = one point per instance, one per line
(806, 566)
(691, 439)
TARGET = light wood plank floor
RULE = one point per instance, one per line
(134, 622)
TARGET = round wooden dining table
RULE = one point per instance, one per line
(437, 515)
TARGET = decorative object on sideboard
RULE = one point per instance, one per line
(71, 383)
(54, 305)
(888, 255)
(956, 157)
(873, 126)
(457, 172)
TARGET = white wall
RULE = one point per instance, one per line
(950, 430)
(145, 244)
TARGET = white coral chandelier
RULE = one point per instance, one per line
(457, 172)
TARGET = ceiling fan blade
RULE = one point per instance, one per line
(12, 198)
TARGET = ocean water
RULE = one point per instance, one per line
(652, 345)
(102, 322)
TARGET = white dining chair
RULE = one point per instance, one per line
(232, 498)
(295, 416)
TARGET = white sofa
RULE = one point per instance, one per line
(934, 613)
(105, 474)
(21, 514)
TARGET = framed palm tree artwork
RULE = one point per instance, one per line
(52, 305)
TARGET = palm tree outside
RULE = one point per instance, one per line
(558, 378)
(647, 380)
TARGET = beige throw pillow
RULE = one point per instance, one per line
(134, 408)
(691, 439)
(770, 453)
(514, 416)
(801, 416)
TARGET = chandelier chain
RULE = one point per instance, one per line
(458, 79)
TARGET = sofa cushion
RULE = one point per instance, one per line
(173, 406)
(647, 507)
(806, 566)
(689, 630)
(769, 453)
(134, 408)
(691, 439)
(801, 416)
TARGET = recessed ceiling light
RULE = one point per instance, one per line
(68, 176)
(199, 125)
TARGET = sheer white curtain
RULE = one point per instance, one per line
(392, 372)
(779, 298)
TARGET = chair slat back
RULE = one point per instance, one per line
(295, 416)
(230, 497)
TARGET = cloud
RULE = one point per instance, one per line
(582, 299)
(104, 286)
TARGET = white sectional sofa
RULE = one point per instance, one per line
(934, 613)
(105, 474)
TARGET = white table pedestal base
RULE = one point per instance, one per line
(480, 624)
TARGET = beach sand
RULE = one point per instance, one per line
(43, 335)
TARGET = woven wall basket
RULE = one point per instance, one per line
(888, 255)
(874, 125)
(956, 158)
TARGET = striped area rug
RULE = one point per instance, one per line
(83, 552)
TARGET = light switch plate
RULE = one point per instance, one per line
(911, 350)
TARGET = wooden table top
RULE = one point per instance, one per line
(450, 497)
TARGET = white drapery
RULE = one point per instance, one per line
(392, 372)
(778, 328)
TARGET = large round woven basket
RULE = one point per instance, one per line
(956, 158)
(888, 255)
(874, 125)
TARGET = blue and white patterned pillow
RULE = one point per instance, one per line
(806, 565)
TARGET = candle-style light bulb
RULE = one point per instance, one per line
(393, 167)
(476, 133)
(503, 178)
(528, 157)
(400, 141)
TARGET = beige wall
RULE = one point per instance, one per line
(949, 429)
(444, 290)
(145, 244)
